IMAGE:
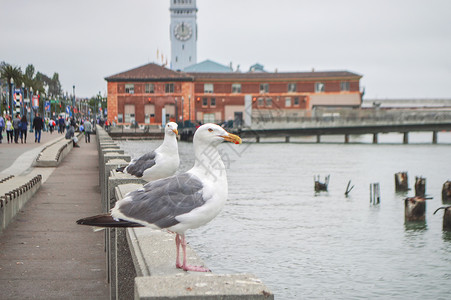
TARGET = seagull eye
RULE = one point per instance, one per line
(209, 129)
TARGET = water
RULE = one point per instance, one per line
(316, 246)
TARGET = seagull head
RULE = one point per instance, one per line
(171, 128)
(213, 134)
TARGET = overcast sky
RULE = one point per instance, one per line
(401, 47)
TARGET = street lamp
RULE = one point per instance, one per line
(73, 103)
(23, 99)
(31, 109)
(11, 98)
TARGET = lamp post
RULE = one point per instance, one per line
(73, 103)
(23, 99)
(11, 110)
(31, 109)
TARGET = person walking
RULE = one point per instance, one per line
(2, 127)
(9, 129)
(23, 129)
(38, 124)
(88, 129)
(16, 123)
(61, 125)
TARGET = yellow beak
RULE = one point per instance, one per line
(175, 131)
(232, 138)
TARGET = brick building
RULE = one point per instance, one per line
(144, 93)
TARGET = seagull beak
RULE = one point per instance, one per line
(231, 138)
(175, 131)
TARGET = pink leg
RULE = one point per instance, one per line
(177, 245)
(187, 267)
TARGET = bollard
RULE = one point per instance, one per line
(446, 217)
(415, 209)
(446, 192)
(401, 182)
(420, 186)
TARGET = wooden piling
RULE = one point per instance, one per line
(446, 217)
(375, 193)
(375, 139)
(415, 209)
(257, 139)
(420, 186)
(446, 192)
(401, 182)
(287, 139)
(405, 139)
(346, 138)
(319, 186)
(434, 137)
(318, 138)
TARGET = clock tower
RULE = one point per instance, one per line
(183, 31)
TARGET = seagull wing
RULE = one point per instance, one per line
(160, 202)
(138, 166)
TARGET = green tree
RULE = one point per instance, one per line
(9, 72)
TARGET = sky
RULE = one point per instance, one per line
(402, 48)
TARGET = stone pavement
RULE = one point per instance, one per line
(43, 253)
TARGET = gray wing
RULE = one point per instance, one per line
(161, 201)
(143, 163)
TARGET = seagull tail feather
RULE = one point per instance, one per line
(106, 220)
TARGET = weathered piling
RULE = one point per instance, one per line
(420, 186)
(446, 192)
(401, 182)
(321, 186)
(348, 188)
(415, 209)
(375, 193)
(446, 217)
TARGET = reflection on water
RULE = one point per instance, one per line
(326, 245)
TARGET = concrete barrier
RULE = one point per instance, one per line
(14, 194)
(53, 154)
(141, 261)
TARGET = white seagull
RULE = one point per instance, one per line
(160, 163)
(180, 202)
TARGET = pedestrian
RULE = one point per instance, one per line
(23, 129)
(38, 124)
(9, 129)
(51, 125)
(88, 129)
(16, 123)
(61, 125)
(2, 127)
(70, 134)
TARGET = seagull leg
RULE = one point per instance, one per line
(177, 245)
(187, 267)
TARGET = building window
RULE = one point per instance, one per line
(296, 101)
(344, 86)
(150, 88)
(129, 110)
(319, 87)
(287, 102)
(236, 88)
(120, 118)
(149, 113)
(264, 88)
(213, 102)
(169, 87)
(268, 102)
(204, 102)
(260, 102)
(208, 88)
(291, 87)
(129, 88)
(209, 118)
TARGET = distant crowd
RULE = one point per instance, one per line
(17, 126)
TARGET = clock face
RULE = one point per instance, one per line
(183, 31)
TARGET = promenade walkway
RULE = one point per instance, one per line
(43, 253)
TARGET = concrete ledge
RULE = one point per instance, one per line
(201, 286)
(14, 194)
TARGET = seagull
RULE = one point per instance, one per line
(160, 163)
(180, 202)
